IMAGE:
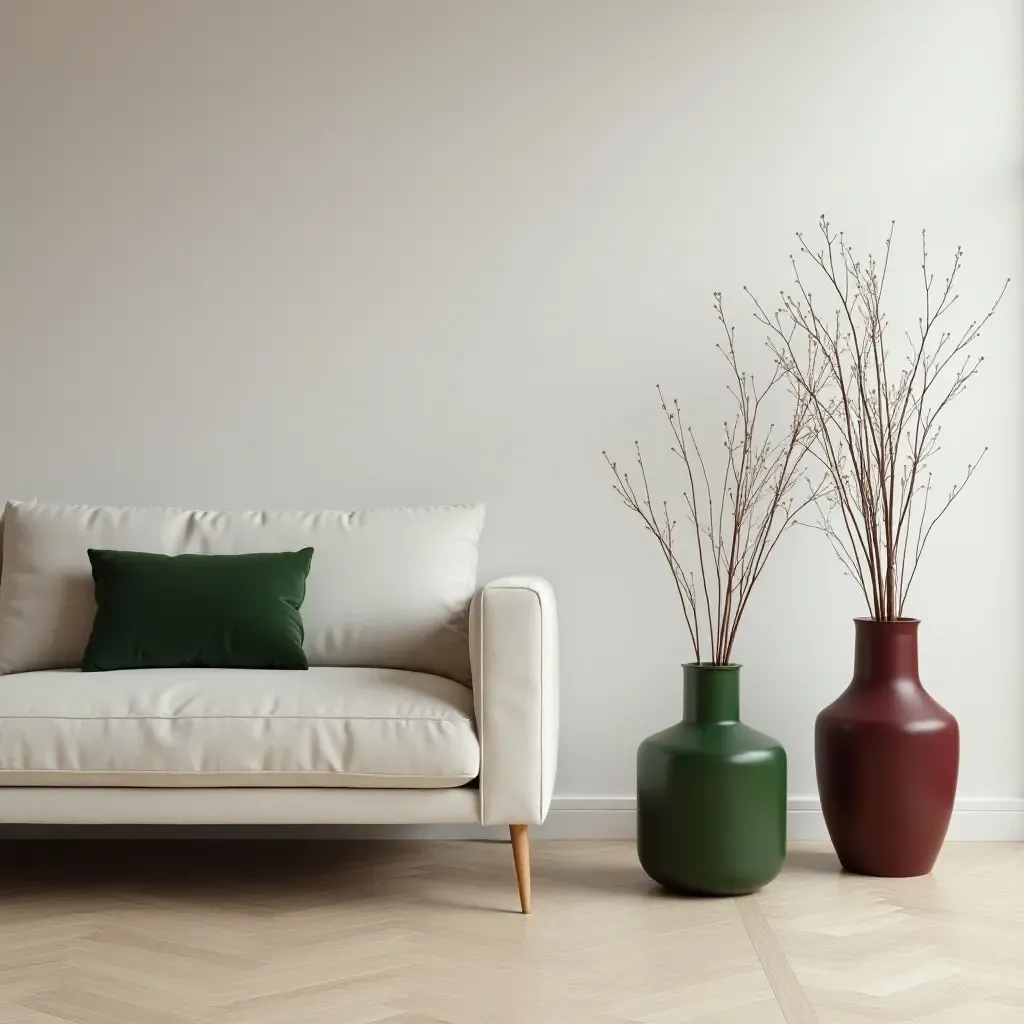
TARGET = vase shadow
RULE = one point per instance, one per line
(814, 859)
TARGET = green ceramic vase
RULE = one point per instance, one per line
(711, 794)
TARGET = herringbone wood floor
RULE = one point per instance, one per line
(294, 932)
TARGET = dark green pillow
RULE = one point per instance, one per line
(184, 611)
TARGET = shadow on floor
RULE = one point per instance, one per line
(818, 861)
(622, 875)
(302, 870)
(194, 868)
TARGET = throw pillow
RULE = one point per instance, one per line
(184, 611)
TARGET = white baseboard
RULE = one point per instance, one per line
(975, 819)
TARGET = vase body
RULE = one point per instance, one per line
(887, 757)
(711, 794)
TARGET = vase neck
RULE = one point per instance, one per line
(711, 694)
(885, 652)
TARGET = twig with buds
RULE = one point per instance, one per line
(875, 406)
(736, 522)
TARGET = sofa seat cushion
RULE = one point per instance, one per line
(343, 727)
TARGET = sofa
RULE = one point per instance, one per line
(428, 698)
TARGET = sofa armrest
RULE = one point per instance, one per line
(514, 654)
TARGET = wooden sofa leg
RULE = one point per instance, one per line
(521, 856)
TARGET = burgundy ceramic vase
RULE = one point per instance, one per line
(887, 757)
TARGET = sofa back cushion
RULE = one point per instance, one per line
(387, 588)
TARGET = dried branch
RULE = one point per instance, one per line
(875, 408)
(756, 504)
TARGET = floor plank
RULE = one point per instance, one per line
(253, 932)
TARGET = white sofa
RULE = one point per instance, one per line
(427, 700)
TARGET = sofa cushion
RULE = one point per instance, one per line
(354, 727)
(388, 588)
(187, 611)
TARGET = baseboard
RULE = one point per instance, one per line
(975, 819)
(584, 817)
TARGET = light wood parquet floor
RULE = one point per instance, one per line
(301, 932)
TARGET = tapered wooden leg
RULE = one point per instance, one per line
(521, 855)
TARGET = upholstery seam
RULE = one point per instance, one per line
(233, 771)
(540, 716)
(483, 692)
(221, 718)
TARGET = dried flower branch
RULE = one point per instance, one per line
(736, 523)
(876, 406)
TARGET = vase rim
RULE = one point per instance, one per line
(903, 620)
(710, 666)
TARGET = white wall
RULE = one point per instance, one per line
(259, 253)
